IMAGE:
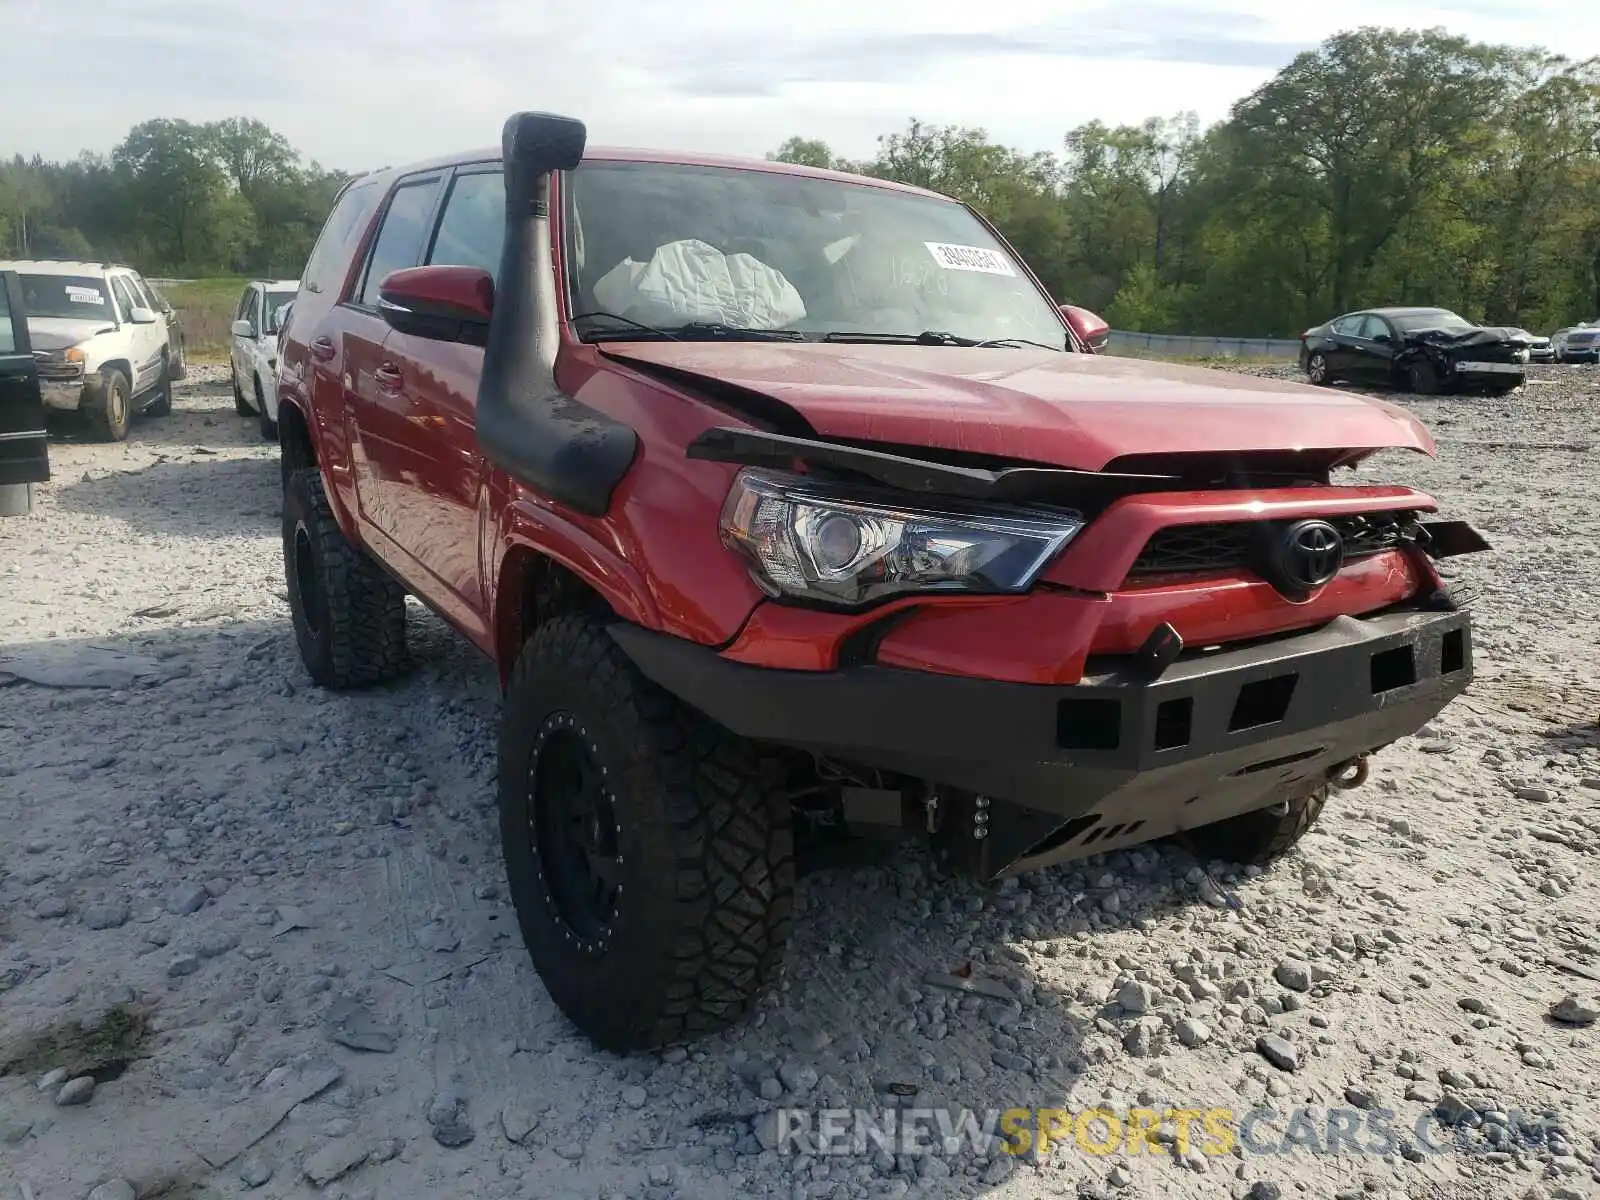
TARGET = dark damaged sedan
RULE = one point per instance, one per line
(1424, 350)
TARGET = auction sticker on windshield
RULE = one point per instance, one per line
(969, 258)
(83, 295)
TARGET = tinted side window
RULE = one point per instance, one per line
(1348, 326)
(325, 267)
(473, 226)
(1372, 327)
(400, 241)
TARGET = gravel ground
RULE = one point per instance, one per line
(253, 937)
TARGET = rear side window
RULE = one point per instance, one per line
(401, 238)
(329, 257)
(473, 226)
(1348, 326)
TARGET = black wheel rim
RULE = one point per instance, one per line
(305, 582)
(574, 833)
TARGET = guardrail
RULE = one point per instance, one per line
(1183, 345)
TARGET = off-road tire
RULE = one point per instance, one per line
(1422, 379)
(349, 617)
(269, 427)
(180, 368)
(112, 410)
(240, 404)
(1260, 837)
(704, 848)
(161, 406)
(1320, 377)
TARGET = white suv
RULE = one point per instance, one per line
(100, 340)
(255, 349)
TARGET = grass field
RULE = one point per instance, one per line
(206, 308)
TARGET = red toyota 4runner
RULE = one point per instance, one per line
(797, 516)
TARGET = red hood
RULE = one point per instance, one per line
(1069, 410)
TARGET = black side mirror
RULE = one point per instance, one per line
(1382, 337)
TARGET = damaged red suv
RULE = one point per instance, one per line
(798, 519)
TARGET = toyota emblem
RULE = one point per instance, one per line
(1310, 554)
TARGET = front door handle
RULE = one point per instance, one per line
(322, 349)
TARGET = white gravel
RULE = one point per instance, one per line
(300, 896)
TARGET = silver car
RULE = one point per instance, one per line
(1581, 343)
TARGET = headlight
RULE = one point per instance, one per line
(73, 354)
(819, 541)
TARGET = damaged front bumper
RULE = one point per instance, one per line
(64, 386)
(1060, 772)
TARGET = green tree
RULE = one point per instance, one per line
(1366, 127)
(182, 210)
(804, 152)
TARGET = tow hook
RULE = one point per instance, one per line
(1350, 774)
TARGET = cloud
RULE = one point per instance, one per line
(724, 66)
(363, 83)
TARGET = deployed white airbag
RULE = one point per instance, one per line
(691, 280)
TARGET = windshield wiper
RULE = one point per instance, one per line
(928, 337)
(693, 331)
(713, 331)
(633, 330)
(1016, 342)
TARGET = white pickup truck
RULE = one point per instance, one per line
(254, 350)
(101, 340)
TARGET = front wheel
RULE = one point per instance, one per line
(1421, 378)
(1263, 836)
(652, 872)
(240, 404)
(111, 411)
(1317, 370)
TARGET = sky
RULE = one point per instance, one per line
(359, 84)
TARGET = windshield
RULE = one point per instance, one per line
(76, 297)
(1437, 318)
(275, 301)
(666, 246)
